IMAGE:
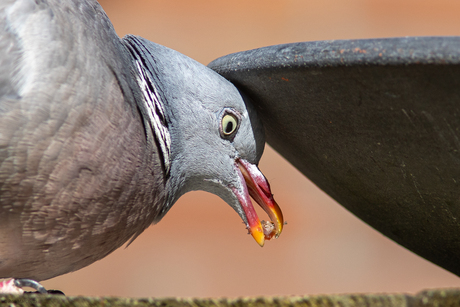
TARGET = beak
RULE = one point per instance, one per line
(256, 185)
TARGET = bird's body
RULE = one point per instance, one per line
(78, 177)
(99, 136)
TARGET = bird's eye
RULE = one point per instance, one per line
(229, 124)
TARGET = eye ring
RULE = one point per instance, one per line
(229, 124)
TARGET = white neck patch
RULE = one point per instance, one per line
(156, 112)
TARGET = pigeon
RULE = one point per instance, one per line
(100, 135)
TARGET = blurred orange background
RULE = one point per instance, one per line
(201, 248)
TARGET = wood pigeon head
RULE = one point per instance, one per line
(213, 139)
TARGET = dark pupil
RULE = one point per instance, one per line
(229, 127)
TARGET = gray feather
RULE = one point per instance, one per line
(77, 172)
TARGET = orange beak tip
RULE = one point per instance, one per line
(258, 235)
